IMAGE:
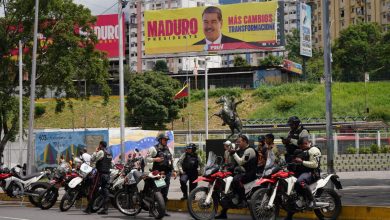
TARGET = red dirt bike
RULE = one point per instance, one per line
(203, 202)
(62, 176)
(277, 191)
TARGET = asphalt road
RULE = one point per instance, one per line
(25, 213)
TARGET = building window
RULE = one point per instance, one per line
(342, 13)
(352, 10)
(179, 60)
(368, 17)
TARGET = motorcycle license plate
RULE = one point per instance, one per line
(160, 183)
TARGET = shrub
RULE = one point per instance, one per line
(40, 110)
(351, 150)
(60, 105)
(385, 149)
(374, 148)
(364, 150)
(285, 103)
(380, 113)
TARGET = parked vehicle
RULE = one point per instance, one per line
(61, 178)
(79, 187)
(16, 185)
(142, 192)
(277, 191)
(203, 202)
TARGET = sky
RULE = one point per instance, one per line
(97, 7)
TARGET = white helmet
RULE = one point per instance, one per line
(227, 143)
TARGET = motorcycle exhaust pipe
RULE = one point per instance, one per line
(32, 194)
(322, 204)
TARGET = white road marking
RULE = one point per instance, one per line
(5, 217)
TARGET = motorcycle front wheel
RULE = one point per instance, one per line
(332, 211)
(127, 203)
(158, 206)
(49, 198)
(197, 206)
(68, 199)
(258, 206)
(38, 189)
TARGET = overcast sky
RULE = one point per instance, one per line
(97, 7)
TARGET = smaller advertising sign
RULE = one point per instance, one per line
(292, 66)
(305, 30)
(107, 32)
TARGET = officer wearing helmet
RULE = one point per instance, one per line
(188, 166)
(297, 131)
(162, 160)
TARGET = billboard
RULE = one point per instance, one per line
(213, 28)
(305, 30)
(292, 66)
(107, 31)
(49, 146)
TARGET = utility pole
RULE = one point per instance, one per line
(121, 5)
(328, 85)
(30, 146)
(206, 100)
(20, 102)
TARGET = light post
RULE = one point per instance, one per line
(206, 102)
(30, 147)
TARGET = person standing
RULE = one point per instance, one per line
(291, 142)
(101, 159)
(85, 157)
(162, 160)
(188, 166)
(261, 154)
(273, 156)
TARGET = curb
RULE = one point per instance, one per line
(347, 212)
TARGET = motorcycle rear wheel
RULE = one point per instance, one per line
(37, 188)
(49, 198)
(258, 206)
(196, 204)
(68, 199)
(157, 208)
(333, 211)
(125, 204)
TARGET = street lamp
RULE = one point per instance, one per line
(122, 4)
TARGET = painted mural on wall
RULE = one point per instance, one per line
(136, 139)
(50, 145)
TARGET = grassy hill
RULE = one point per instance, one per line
(301, 99)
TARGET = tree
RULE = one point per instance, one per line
(240, 62)
(161, 66)
(63, 55)
(271, 60)
(358, 50)
(293, 46)
(150, 102)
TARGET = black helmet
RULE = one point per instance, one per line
(293, 120)
(192, 146)
(161, 136)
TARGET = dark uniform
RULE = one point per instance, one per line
(294, 135)
(103, 168)
(166, 165)
(188, 166)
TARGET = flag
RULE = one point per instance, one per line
(182, 93)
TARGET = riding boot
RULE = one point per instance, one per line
(309, 197)
(222, 215)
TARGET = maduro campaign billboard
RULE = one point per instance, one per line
(212, 28)
(107, 31)
(305, 30)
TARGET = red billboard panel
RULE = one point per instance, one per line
(107, 32)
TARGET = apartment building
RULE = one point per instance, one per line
(347, 12)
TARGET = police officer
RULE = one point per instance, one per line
(247, 162)
(308, 167)
(188, 167)
(291, 142)
(162, 160)
(102, 161)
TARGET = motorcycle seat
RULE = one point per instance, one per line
(24, 178)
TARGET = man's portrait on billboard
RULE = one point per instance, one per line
(212, 25)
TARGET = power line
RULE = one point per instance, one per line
(108, 9)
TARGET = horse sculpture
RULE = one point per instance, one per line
(229, 115)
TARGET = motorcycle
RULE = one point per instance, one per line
(79, 187)
(61, 178)
(16, 185)
(142, 192)
(277, 191)
(117, 178)
(203, 202)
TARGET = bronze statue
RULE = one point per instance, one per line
(228, 114)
